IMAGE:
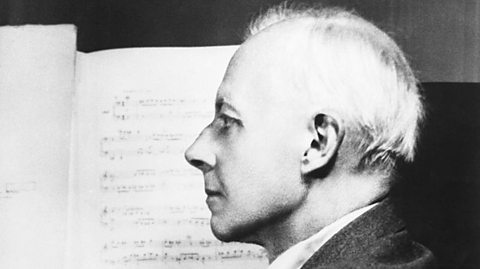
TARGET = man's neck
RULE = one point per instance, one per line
(327, 201)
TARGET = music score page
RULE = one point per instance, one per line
(134, 200)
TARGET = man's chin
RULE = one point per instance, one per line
(231, 233)
(222, 233)
(222, 236)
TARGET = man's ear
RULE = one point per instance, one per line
(328, 136)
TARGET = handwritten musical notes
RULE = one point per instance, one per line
(130, 107)
(141, 205)
(148, 180)
(139, 217)
(128, 143)
(195, 257)
(181, 251)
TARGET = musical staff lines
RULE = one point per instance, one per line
(141, 203)
(188, 242)
(135, 143)
(149, 180)
(114, 218)
(178, 251)
(132, 107)
(185, 257)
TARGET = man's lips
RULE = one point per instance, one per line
(213, 200)
(210, 192)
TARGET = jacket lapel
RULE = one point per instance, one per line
(348, 243)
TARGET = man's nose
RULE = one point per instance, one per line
(200, 154)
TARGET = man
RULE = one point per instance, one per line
(314, 109)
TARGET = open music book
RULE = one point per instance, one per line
(92, 173)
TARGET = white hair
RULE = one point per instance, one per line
(352, 67)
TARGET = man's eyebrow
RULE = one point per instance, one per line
(222, 103)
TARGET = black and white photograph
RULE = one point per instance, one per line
(268, 134)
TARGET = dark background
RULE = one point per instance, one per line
(438, 194)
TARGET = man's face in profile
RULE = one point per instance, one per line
(250, 154)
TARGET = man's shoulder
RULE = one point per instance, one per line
(377, 239)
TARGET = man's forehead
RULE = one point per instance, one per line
(244, 91)
(256, 61)
(272, 43)
(260, 72)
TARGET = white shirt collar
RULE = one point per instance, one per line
(297, 255)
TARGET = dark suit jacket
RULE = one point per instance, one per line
(376, 239)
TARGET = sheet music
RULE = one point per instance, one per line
(137, 203)
(36, 88)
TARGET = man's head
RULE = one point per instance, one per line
(310, 95)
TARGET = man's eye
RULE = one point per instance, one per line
(222, 123)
